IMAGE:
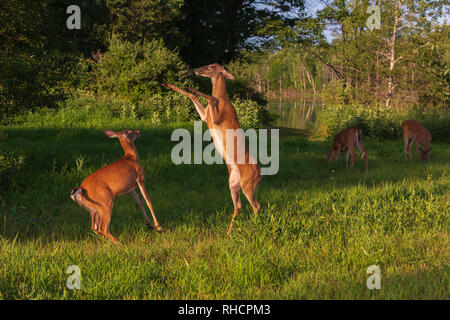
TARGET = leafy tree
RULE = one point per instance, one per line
(135, 20)
(218, 30)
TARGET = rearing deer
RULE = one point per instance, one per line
(346, 140)
(414, 131)
(98, 190)
(221, 116)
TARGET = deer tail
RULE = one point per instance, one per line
(78, 195)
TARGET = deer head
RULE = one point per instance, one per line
(212, 71)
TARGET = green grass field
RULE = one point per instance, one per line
(317, 232)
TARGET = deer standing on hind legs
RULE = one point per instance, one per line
(414, 131)
(221, 117)
(346, 141)
(98, 190)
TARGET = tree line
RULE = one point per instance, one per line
(403, 62)
(273, 46)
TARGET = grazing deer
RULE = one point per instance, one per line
(221, 117)
(97, 192)
(414, 131)
(346, 141)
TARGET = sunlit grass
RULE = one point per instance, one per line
(321, 225)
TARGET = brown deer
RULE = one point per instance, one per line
(98, 191)
(414, 131)
(346, 141)
(221, 117)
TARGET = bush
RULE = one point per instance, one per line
(91, 110)
(251, 114)
(135, 70)
(380, 122)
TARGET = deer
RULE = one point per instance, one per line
(346, 141)
(98, 190)
(414, 131)
(220, 116)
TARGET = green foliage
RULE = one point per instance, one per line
(38, 52)
(99, 110)
(380, 122)
(243, 85)
(135, 70)
(249, 113)
(29, 82)
(219, 30)
(146, 19)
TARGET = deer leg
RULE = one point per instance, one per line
(139, 202)
(149, 204)
(338, 152)
(249, 192)
(234, 182)
(201, 94)
(419, 153)
(363, 154)
(105, 218)
(95, 220)
(78, 195)
(346, 159)
(406, 142)
(213, 104)
(197, 104)
(351, 150)
(410, 143)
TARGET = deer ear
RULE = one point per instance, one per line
(227, 75)
(134, 134)
(110, 133)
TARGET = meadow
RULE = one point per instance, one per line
(319, 228)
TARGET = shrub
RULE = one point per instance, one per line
(251, 114)
(97, 110)
(380, 122)
(135, 70)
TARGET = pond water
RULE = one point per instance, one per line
(297, 114)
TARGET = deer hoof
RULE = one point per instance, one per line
(160, 229)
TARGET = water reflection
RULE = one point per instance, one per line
(298, 114)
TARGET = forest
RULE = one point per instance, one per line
(67, 73)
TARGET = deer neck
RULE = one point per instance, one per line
(130, 150)
(219, 89)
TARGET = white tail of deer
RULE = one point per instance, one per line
(97, 192)
(346, 140)
(414, 131)
(221, 116)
